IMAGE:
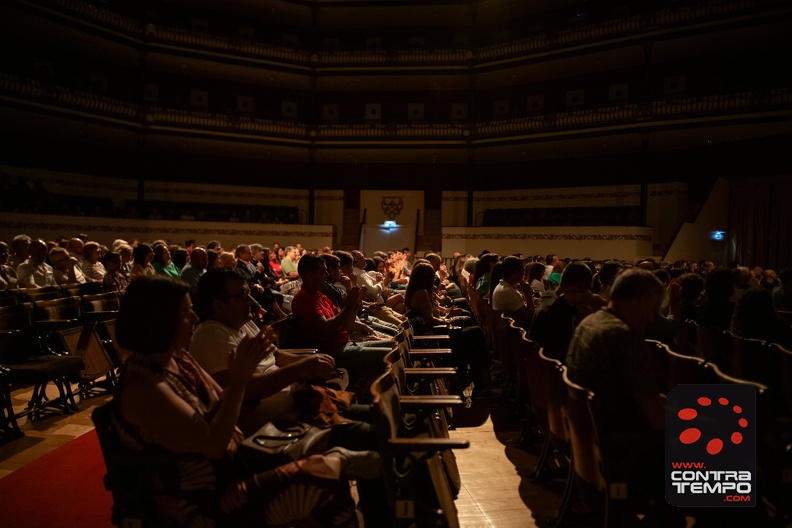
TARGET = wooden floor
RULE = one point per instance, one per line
(496, 491)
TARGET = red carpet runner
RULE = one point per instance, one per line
(62, 489)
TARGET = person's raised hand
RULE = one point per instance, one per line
(249, 353)
(317, 366)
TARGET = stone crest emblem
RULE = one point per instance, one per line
(392, 206)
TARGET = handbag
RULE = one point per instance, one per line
(283, 441)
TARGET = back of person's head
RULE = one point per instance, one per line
(470, 264)
(179, 256)
(213, 285)
(536, 271)
(371, 265)
(150, 314)
(549, 259)
(755, 315)
(344, 257)
(511, 265)
(140, 252)
(635, 284)
(609, 271)
(663, 276)
(308, 264)
(719, 283)
(214, 244)
(110, 259)
(211, 258)
(691, 286)
(576, 276)
(330, 260)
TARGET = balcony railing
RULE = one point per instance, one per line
(661, 19)
(757, 103)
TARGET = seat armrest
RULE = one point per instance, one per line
(428, 445)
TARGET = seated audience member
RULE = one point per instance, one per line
(225, 260)
(162, 262)
(535, 280)
(550, 262)
(258, 282)
(742, 283)
(782, 294)
(179, 257)
(20, 250)
(92, 268)
(755, 317)
(324, 327)
(64, 267)
(555, 277)
(608, 356)
(607, 274)
(192, 272)
(373, 289)
(769, 280)
(336, 288)
(114, 280)
(449, 292)
(288, 264)
(692, 286)
(483, 273)
(560, 310)
(468, 344)
(35, 272)
(274, 263)
(512, 295)
(8, 277)
(215, 245)
(195, 416)
(126, 252)
(76, 247)
(142, 256)
(226, 304)
(717, 307)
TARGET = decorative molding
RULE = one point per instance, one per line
(74, 183)
(568, 196)
(545, 236)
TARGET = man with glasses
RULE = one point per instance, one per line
(224, 303)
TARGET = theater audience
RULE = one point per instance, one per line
(513, 296)
(114, 280)
(20, 251)
(325, 327)
(92, 268)
(8, 277)
(468, 344)
(716, 308)
(162, 262)
(195, 416)
(560, 310)
(64, 267)
(755, 317)
(376, 288)
(35, 272)
(142, 256)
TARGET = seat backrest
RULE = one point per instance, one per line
(685, 369)
(711, 345)
(16, 317)
(102, 302)
(526, 359)
(8, 297)
(67, 308)
(385, 407)
(750, 359)
(582, 423)
(83, 341)
(552, 384)
(39, 294)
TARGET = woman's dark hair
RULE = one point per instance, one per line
(536, 272)
(140, 253)
(422, 277)
(211, 257)
(149, 314)
(179, 257)
(371, 264)
(692, 284)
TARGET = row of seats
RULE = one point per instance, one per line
(20, 295)
(55, 339)
(567, 419)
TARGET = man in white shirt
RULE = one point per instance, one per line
(65, 267)
(512, 295)
(375, 286)
(224, 299)
(35, 272)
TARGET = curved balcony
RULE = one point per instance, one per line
(657, 21)
(757, 104)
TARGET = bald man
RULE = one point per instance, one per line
(35, 272)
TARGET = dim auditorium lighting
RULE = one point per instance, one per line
(390, 224)
(718, 235)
